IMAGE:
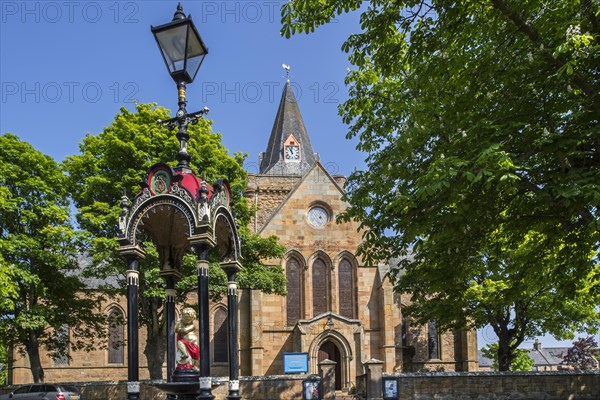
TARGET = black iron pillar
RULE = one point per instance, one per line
(182, 135)
(132, 254)
(231, 270)
(202, 265)
(170, 314)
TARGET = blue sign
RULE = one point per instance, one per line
(295, 363)
(390, 388)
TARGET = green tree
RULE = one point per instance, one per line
(480, 123)
(10, 292)
(118, 158)
(38, 253)
(8, 285)
(521, 362)
(3, 362)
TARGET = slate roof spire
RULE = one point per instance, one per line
(288, 122)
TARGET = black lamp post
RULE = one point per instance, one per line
(179, 217)
(183, 50)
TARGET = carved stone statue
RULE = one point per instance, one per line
(188, 351)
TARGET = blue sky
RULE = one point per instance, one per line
(66, 67)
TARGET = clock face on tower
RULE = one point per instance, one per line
(292, 153)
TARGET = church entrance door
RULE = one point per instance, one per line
(329, 350)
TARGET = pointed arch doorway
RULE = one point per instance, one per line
(329, 350)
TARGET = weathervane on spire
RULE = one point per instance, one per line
(287, 71)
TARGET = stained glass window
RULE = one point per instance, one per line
(220, 336)
(320, 285)
(433, 342)
(293, 274)
(346, 289)
(62, 336)
(115, 336)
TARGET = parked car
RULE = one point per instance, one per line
(43, 391)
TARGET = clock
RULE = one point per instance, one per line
(292, 153)
(318, 216)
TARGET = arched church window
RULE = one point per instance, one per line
(320, 285)
(62, 338)
(404, 333)
(115, 336)
(346, 288)
(220, 336)
(433, 340)
(293, 274)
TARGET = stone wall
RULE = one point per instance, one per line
(499, 386)
(259, 388)
(557, 385)
(266, 192)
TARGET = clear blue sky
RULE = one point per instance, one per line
(66, 67)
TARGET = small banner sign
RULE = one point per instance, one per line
(295, 363)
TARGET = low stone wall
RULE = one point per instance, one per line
(561, 385)
(499, 386)
(285, 387)
(271, 387)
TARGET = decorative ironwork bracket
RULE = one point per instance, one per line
(185, 119)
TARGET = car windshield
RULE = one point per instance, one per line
(23, 389)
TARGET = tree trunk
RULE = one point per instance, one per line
(506, 352)
(504, 359)
(155, 352)
(33, 351)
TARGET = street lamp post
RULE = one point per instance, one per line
(210, 219)
(183, 51)
(180, 212)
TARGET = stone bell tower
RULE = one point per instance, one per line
(289, 155)
(289, 151)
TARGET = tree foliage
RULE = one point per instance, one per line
(4, 362)
(521, 362)
(41, 289)
(118, 158)
(8, 284)
(581, 355)
(480, 120)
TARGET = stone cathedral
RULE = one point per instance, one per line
(337, 307)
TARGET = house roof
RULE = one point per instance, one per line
(83, 261)
(551, 356)
(547, 356)
(483, 360)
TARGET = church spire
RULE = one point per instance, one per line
(289, 151)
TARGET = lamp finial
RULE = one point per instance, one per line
(179, 14)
